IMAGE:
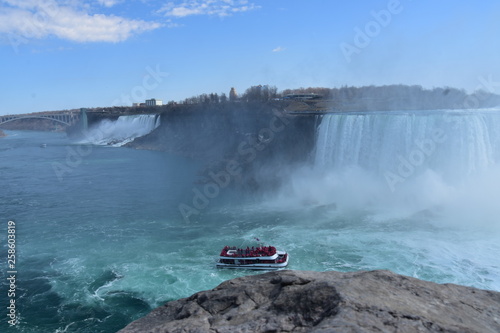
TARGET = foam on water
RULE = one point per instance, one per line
(119, 132)
(107, 243)
(413, 192)
(404, 163)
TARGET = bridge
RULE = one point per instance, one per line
(66, 118)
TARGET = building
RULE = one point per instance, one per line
(302, 97)
(233, 95)
(154, 102)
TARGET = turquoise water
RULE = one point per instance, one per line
(100, 239)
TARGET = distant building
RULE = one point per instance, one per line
(233, 95)
(154, 102)
(302, 97)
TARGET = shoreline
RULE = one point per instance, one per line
(302, 301)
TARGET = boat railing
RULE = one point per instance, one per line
(261, 251)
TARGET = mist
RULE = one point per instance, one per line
(439, 166)
(121, 131)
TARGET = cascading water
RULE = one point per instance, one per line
(452, 143)
(406, 163)
(95, 269)
(121, 131)
(414, 192)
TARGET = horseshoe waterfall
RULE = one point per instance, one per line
(440, 162)
(100, 240)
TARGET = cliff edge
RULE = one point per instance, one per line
(303, 301)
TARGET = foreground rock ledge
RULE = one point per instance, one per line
(302, 301)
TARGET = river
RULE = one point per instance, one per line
(101, 240)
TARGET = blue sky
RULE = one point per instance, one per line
(69, 54)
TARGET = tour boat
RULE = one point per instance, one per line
(262, 257)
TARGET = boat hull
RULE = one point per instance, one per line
(254, 266)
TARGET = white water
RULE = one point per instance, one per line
(454, 143)
(406, 163)
(107, 243)
(118, 132)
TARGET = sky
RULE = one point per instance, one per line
(68, 54)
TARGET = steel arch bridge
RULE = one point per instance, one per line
(63, 118)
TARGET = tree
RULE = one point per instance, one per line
(223, 98)
(260, 93)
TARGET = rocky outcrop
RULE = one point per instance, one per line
(263, 140)
(302, 301)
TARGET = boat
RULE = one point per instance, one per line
(262, 257)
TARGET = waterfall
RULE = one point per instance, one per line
(122, 130)
(454, 144)
(403, 163)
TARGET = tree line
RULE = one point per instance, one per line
(386, 97)
(260, 93)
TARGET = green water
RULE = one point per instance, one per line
(100, 240)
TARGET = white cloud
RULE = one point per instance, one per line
(170, 24)
(279, 49)
(108, 3)
(27, 19)
(219, 8)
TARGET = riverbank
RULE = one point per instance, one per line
(304, 301)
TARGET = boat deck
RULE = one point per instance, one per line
(263, 257)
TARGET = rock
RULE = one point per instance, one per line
(303, 301)
(2, 134)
